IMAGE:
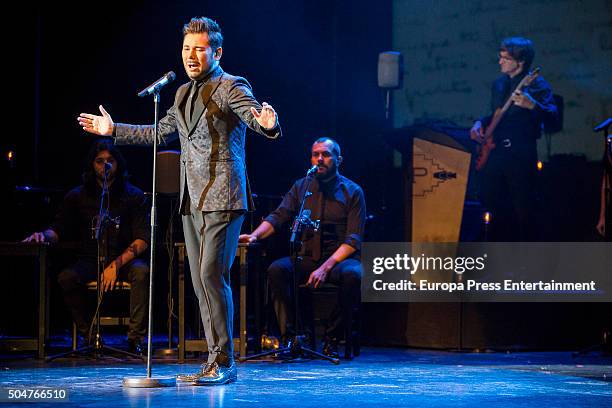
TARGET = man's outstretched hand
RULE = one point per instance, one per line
(98, 125)
(266, 117)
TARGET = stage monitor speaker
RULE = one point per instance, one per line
(390, 70)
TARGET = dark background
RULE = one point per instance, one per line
(314, 61)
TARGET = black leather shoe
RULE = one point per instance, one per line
(218, 375)
(136, 347)
(330, 347)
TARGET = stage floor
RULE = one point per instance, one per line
(379, 377)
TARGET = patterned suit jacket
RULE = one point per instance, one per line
(213, 164)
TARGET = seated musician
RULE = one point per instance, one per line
(331, 254)
(127, 236)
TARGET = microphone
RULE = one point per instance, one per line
(157, 85)
(603, 125)
(107, 167)
(311, 171)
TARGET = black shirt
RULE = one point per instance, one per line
(522, 126)
(78, 214)
(340, 206)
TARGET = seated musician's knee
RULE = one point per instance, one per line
(69, 280)
(139, 271)
(278, 271)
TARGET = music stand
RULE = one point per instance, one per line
(168, 188)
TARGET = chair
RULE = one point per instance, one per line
(352, 330)
(120, 287)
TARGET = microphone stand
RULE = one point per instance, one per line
(100, 234)
(607, 191)
(294, 348)
(607, 182)
(149, 381)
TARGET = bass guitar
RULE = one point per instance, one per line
(486, 147)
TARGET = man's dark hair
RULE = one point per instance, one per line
(89, 175)
(519, 48)
(200, 25)
(335, 145)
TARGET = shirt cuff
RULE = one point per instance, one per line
(353, 240)
(273, 133)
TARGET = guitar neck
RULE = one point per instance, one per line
(499, 113)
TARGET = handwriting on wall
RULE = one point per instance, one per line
(450, 53)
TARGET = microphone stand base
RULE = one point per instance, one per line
(149, 382)
(294, 352)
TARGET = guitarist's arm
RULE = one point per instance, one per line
(477, 132)
(538, 98)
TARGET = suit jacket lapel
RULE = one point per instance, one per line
(206, 93)
(181, 97)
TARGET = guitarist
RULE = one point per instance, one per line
(509, 175)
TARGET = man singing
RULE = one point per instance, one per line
(210, 113)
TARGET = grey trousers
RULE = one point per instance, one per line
(211, 239)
